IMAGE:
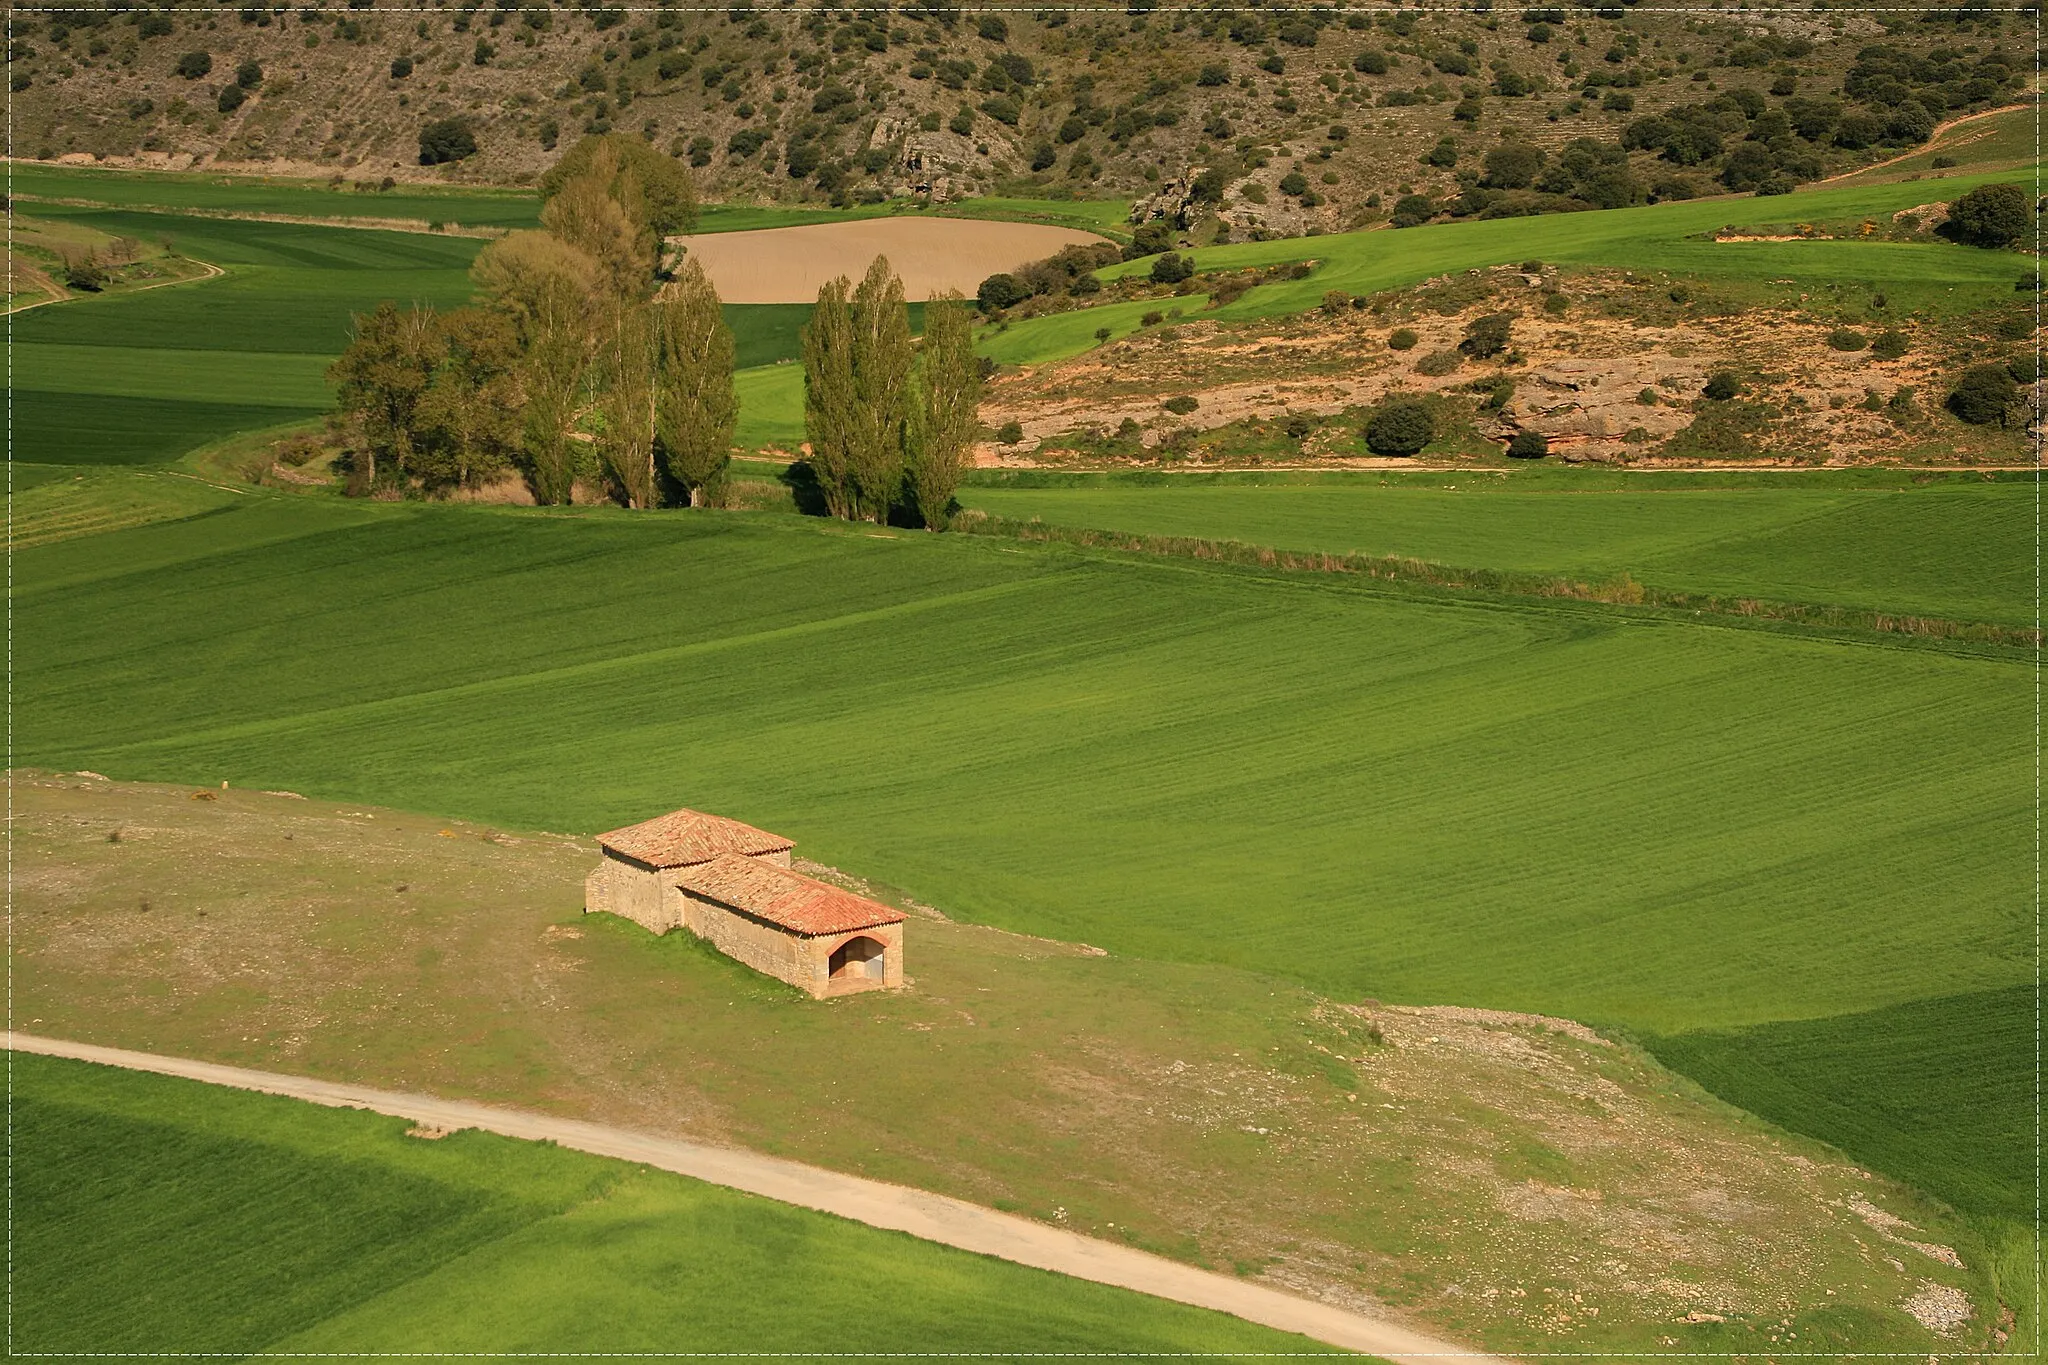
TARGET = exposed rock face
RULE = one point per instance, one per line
(1172, 202)
(942, 164)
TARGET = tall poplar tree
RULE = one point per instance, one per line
(944, 408)
(882, 357)
(831, 396)
(696, 405)
(631, 354)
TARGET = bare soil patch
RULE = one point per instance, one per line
(932, 255)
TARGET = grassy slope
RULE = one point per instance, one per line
(155, 1214)
(1962, 552)
(273, 194)
(1553, 809)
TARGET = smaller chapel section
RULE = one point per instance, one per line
(731, 884)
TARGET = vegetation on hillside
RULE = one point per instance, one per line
(1237, 122)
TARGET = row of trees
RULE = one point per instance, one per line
(889, 428)
(580, 361)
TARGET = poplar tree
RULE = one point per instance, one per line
(631, 352)
(548, 288)
(831, 395)
(944, 408)
(697, 406)
(381, 379)
(882, 358)
(470, 416)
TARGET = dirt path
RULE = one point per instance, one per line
(1933, 139)
(212, 272)
(932, 1217)
(787, 264)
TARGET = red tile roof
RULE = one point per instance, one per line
(782, 897)
(684, 837)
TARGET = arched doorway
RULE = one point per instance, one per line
(857, 958)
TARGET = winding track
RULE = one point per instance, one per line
(933, 1217)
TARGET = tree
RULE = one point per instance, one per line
(1991, 216)
(446, 140)
(547, 288)
(1529, 445)
(628, 359)
(193, 65)
(882, 359)
(829, 395)
(231, 98)
(469, 416)
(1513, 166)
(1984, 395)
(697, 407)
(1722, 385)
(381, 378)
(1412, 210)
(1401, 427)
(598, 212)
(1000, 291)
(667, 196)
(944, 410)
(249, 75)
(1172, 268)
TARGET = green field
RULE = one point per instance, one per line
(271, 195)
(158, 1215)
(1434, 801)
(1963, 551)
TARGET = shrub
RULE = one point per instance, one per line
(1722, 385)
(1486, 337)
(1336, 301)
(1528, 445)
(1102, 334)
(1847, 339)
(446, 140)
(1172, 268)
(249, 75)
(193, 65)
(1556, 304)
(1214, 74)
(1412, 210)
(1402, 427)
(1890, 344)
(230, 98)
(1009, 433)
(83, 271)
(1647, 398)
(1371, 62)
(1043, 157)
(1181, 404)
(1001, 291)
(1991, 216)
(1152, 319)
(1402, 339)
(1294, 183)
(401, 67)
(1984, 395)
(1438, 363)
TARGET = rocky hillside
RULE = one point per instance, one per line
(1238, 121)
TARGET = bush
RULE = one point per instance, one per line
(1991, 216)
(1009, 433)
(1172, 268)
(1152, 319)
(1402, 339)
(249, 75)
(445, 141)
(1847, 339)
(1890, 344)
(401, 67)
(1370, 62)
(1413, 210)
(84, 272)
(193, 65)
(1001, 291)
(231, 98)
(1043, 157)
(1528, 445)
(1149, 240)
(1487, 336)
(1438, 363)
(1984, 395)
(1402, 427)
(1336, 301)
(1556, 304)
(1181, 404)
(1722, 385)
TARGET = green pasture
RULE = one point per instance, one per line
(1653, 237)
(174, 190)
(1572, 809)
(1958, 551)
(2009, 138)
(151, 1214)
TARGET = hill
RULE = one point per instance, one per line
(1239, 123)
(1439, 1165)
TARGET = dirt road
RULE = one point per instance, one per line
(786, 265)
(935, 1218)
